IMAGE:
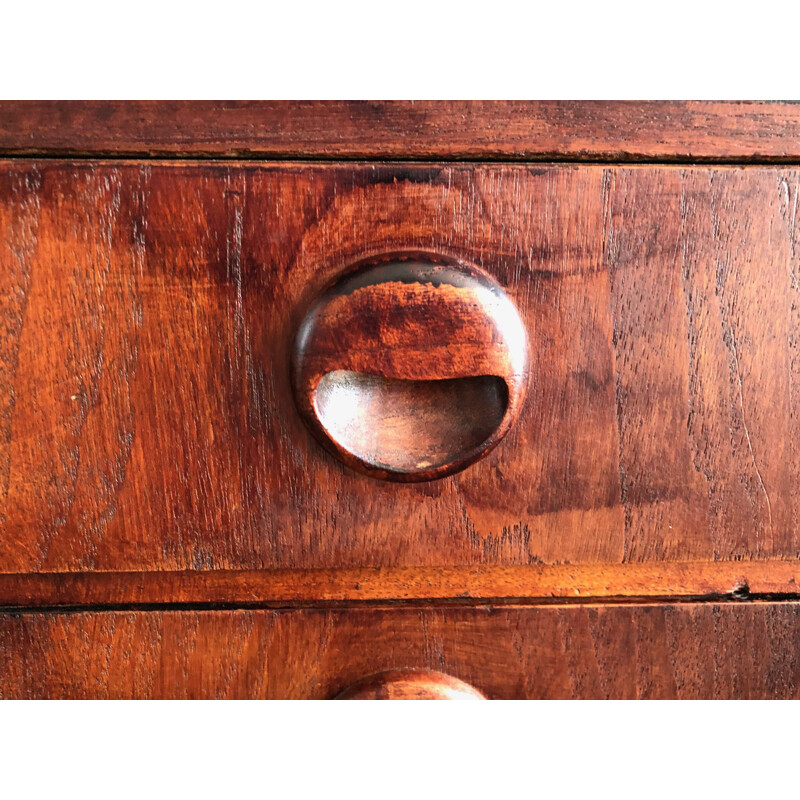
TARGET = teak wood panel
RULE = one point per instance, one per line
(731, 650)
(147, 313)
(616, 130)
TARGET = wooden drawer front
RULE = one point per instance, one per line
(685, 651)
(146, 416)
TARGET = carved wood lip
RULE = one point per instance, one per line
(654, 131)
(465, 585)
(371, 272)
(410, 684)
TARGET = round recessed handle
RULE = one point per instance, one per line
(411, 367)
(410, 684)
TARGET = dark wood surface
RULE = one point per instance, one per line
(708, 650)
(687, 131)
(411, 367)
(170, 528)
(146, 414)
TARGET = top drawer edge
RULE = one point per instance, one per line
(572, 131)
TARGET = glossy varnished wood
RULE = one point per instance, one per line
(411, 366)
(410, 684)
(170, 528)
(465, 585)
(148, 311)
(375, 130)
(710, 650)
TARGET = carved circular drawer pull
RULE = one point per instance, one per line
(410, 684)
(411, 368)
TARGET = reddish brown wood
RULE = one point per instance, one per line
(148, 312)
(619, 131)
(151, 452)
(411, 366)
(707, 650)
(453, 585)
(410, 684)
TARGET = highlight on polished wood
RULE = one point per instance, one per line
(412, 366)
(410, 684)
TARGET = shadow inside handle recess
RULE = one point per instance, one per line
(406, 425)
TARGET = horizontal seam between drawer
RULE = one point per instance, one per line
(476, 583)
(597, 159)
(421, 604)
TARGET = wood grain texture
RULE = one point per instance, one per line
(732, 650)
(454, 585)
(146, 414)
(410, 684)
(411, 368)
(421, 130)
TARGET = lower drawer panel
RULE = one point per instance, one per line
(691, 650)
